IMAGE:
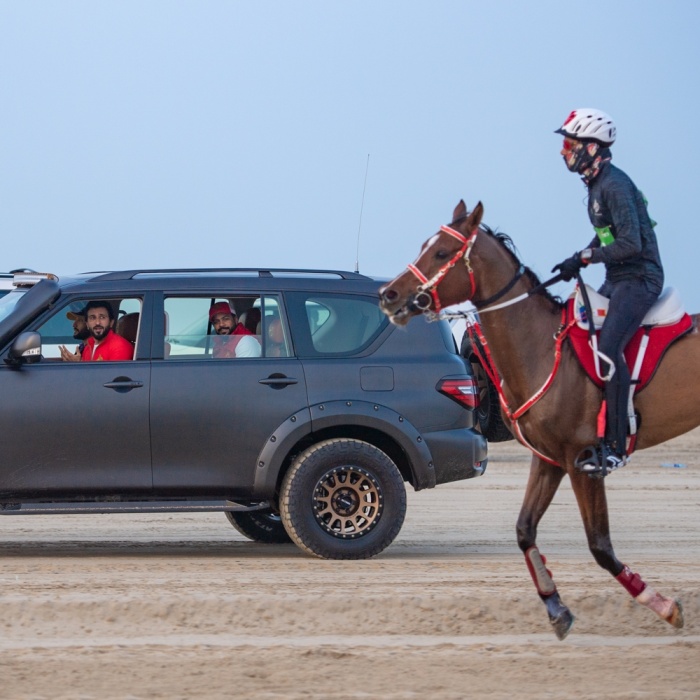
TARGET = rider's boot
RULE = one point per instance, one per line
(599, 460)
(610, 454)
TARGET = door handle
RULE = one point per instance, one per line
(278, 381)
(123, 384)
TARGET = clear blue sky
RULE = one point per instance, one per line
(208, 133)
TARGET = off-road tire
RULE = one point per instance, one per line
(259, 526)
(488, 415)
(343, 499)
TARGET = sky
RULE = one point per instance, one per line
(319, 134)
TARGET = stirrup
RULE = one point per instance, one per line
(598, 461)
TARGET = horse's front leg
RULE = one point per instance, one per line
(590, 495)
(542, 484)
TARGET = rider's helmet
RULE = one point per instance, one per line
(589, 124)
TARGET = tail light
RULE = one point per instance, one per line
(464, 390)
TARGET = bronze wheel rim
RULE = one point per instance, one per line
(348, 502)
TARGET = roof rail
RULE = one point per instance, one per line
(27, 278)
(266, 272)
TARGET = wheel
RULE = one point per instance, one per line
(489, 419)
(343, 499)
(488, 415)
(259, 526)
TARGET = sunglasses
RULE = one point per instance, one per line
(571, 144)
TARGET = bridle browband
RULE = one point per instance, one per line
(428, 290)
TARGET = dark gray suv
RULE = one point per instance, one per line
(308, 438)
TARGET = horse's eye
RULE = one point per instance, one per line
(441, 255)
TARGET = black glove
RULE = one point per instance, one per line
(569, 267)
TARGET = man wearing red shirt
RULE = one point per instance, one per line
(234, 339)
(104, 344)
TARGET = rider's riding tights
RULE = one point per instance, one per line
(629, 302)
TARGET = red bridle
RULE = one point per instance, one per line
(428, 287)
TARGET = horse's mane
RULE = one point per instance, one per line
(507, 244)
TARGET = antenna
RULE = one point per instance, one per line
(359, 228)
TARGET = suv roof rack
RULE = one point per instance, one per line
(28, 278)
(266, 272)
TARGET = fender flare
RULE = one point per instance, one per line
(330, 414)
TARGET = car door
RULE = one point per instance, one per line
(211, 417)
(74, 427)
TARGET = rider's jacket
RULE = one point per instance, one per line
(615, 202)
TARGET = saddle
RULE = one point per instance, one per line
(663, 324)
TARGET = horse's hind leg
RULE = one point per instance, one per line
(590, 495)
(542, 484)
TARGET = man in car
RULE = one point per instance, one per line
(234, 339)
(80, 333)
(104, 344)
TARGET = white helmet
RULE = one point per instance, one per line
(589, 124)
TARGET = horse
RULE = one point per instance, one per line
(558, 404)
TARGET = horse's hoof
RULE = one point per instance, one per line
(676, 617)
(562, 623)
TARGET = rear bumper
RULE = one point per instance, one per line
(457, 454)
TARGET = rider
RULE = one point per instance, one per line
(626, 243)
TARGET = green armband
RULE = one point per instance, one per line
(605, 235)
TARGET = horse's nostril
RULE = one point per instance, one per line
(388, 294)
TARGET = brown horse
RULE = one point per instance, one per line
(466, 261)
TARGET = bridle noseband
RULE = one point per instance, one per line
(427, 292)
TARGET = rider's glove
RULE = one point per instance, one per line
(569, 267)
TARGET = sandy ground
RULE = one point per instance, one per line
(181, 606)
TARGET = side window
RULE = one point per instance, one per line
(342, 324)
(69, 327)
(187, 327)
(275, 334)
(221, 327)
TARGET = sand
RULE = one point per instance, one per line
(182, 606)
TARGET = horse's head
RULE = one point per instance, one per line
(441, 276)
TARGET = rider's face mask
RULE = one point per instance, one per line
(578, 155)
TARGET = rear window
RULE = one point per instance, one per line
(334, 324)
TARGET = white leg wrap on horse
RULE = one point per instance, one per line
(662, 606)
(539, 572)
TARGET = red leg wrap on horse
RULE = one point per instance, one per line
(632, 583)
(539, 572)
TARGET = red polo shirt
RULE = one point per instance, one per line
(112, 348)
(225, 345)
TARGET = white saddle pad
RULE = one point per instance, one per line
(667, 309)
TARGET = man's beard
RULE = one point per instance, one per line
(224, 331)
(83, 334)
(100, 334)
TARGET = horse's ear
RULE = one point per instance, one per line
(460, 211)
(475, 216)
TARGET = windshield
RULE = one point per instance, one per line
(8, 303)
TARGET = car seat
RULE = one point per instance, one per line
(251, 320)
(128, 326)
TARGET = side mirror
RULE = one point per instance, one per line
(26, 349)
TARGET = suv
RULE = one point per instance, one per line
(311, 441)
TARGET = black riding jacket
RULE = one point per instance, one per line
(615, 201)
